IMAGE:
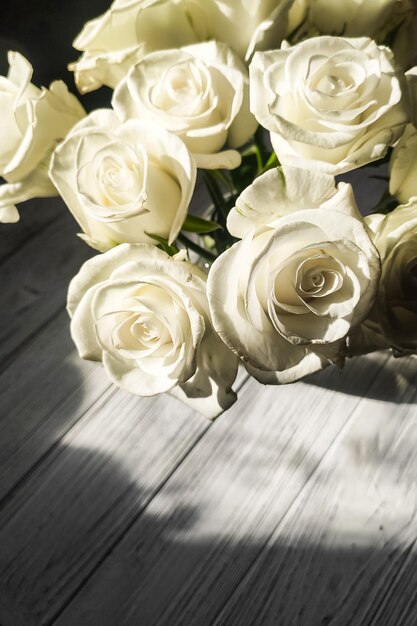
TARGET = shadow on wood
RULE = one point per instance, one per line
(398, 382)
(46, 559)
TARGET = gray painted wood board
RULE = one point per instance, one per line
(211, 520)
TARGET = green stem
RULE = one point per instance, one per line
(223, 178)
(259, 164)
(271, 162)
(254, 150)
(206, 254)
(215, 192)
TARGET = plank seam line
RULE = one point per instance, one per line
(299, 495)
(20, 483)
(135, 518)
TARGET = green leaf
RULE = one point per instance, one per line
(271, 162)
(199, 225)
(164, 245)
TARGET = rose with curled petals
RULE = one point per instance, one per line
(282, 191)
(32, 121)
(125, 33)
(124, 181)
(285, 296)
(393, 319)
(145, 316)
(200, 93)
(331, 103)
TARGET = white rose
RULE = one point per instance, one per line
(357, 18)
(124, 180)
(116, 40)
(403, 166)
(246, 26)
(199, 92)
(330, 103)
(145, 316)
(285, 297)
(395, 236)
(32, 121)
(282, 191)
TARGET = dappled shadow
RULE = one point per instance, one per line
(43, 257)
(43, 393)
(54, 534)
(80, 546)
(39, 367)
(390, 380)
(68, 527)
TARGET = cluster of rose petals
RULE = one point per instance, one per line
(331, 103)
(32, 121)
(310, 281)
(200, 93)
(285, 297)
(130, 29)
(145, 316)
(114, 41)
(394, 316)
(247, 26)
(124, 181)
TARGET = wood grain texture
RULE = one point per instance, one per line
(35, 282)
(109, 453)
(35, 217)
(296, 507)
(203, 531)
(338, 556)
(77, 504)
(43, 393)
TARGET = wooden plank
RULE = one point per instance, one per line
(35, 281)
(35, 216)
(65, 517)
(43, 393)
(76, 505)
(181, 561)
(339, 556)
(399, 607)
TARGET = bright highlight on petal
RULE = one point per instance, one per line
(145, 316)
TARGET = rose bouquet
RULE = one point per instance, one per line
(268, 101)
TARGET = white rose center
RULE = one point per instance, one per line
(330, 85)
(335, 84)
(318, 277)
(113, 183)
(150, 327)
(118, 179)
(183, 89)
(300, 281)
(140, 332)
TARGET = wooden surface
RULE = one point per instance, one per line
(295, 507)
